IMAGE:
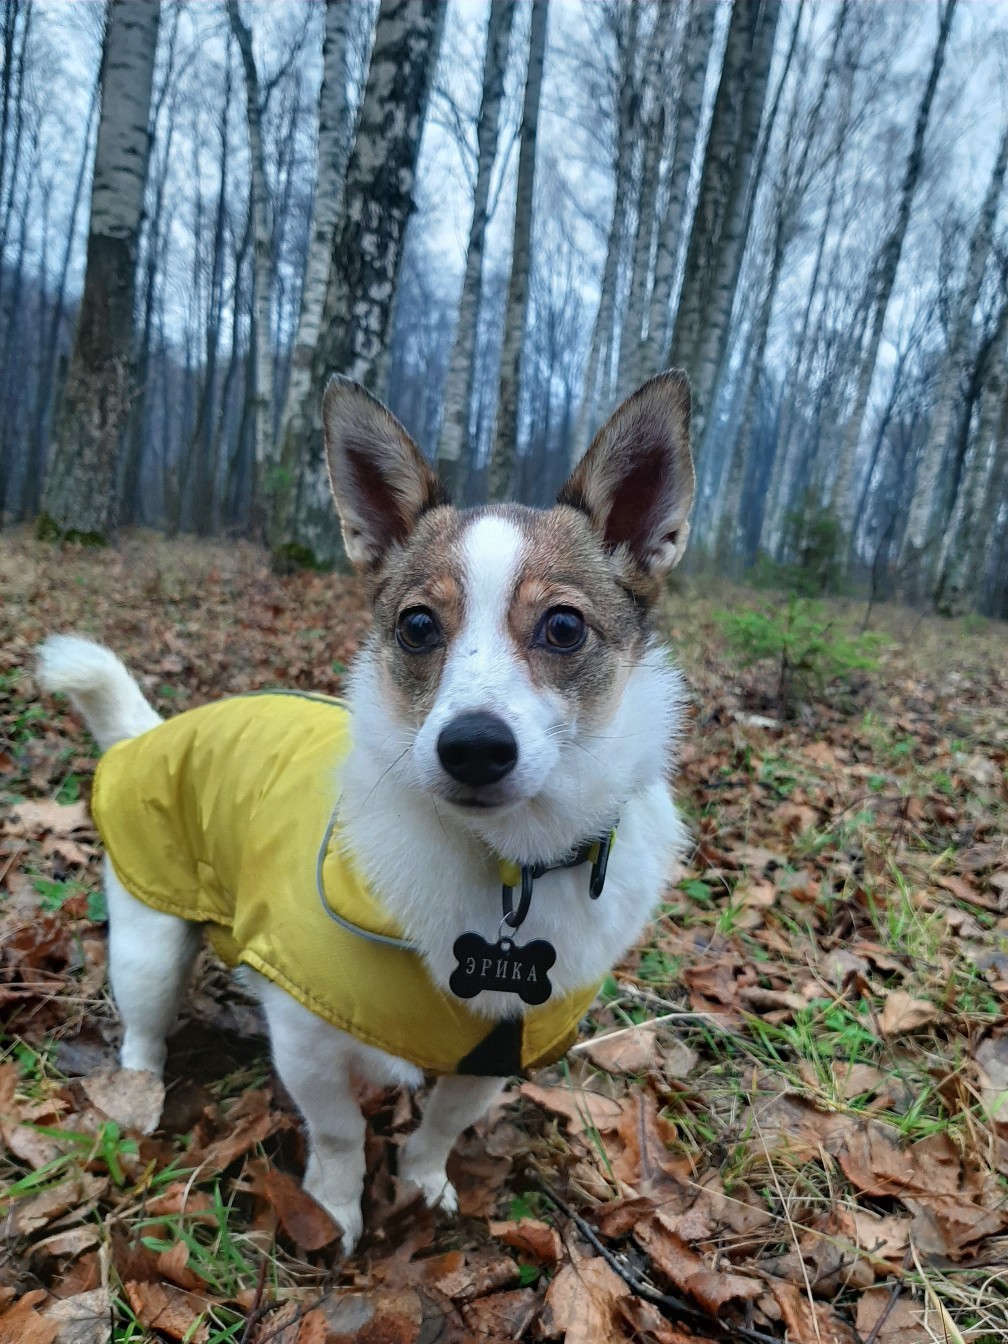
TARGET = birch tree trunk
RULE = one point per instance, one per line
(785, 452)
(454, 447)
(79, 497)
(708, 315)
(367, 252)
(657, 71)
(261, 398)
(924, 514)
(965, 540)
(599, 349)
(842, 495)
(505, 446)
(791, 188)
(335, 136)
(715, 183)
(696, 57)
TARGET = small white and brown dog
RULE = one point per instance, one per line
(510, 704)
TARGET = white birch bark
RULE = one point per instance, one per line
(79, 494)
(263, 266)
(696, 57)
(367, 252)
(335, 135)
(505, 446)
(599, 350)
(713, 197)
(454, 446)
(921, 519)
(962, 543)
(711, 313)
(657, 72)
(842, 496)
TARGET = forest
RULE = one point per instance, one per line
(784, 1119)
(501, 219)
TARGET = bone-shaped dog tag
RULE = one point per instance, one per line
(503, 966)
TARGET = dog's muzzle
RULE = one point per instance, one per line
(477, 748)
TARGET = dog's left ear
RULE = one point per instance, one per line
(635, 482)
(379, 479)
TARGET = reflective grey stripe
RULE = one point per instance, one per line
(401, 943)
(318, 697)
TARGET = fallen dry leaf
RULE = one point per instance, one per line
(20, 1322)
(709, 1288)
(882, 1235)
(305, 1222)
(169, 1310)
(904, 1323)
(380, 1316)
(992, 1066)
(808, 1322)
(902, 1013)
(502, 1316)
(581, 1302)
(54, 818)
(581, 1108)
(531, 1237)
(133, 1098)
(478, 1276)
(82, 1319)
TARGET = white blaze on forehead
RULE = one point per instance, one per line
(491, 552)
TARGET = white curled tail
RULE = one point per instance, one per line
(98, 685)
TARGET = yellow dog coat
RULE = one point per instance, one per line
(227, 816)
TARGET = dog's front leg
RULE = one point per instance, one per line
(313, 1061)
(455, 1103)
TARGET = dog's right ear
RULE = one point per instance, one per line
(379, 479)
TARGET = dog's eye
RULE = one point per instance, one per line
(562, 628)
(417, 630)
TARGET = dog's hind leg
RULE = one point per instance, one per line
(456, 1102)
(313, 1061)
(150, 957)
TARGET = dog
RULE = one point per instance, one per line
(510, 713)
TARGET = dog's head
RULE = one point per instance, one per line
(510, 674)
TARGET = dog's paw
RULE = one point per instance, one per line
(437, 1190)
(349, 1218)
(346, 1213)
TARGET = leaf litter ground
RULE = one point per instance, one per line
(787, 1117)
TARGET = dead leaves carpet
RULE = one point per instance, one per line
(787, 1118)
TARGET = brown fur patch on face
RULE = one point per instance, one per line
(565, 565)
(426, 572)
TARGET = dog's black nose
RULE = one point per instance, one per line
(477, 748)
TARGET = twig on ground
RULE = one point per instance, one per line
(674, 1307)
(257, 1310)
(894, 1294)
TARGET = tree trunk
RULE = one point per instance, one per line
(600, 351)
(702, 320)
(506, 438)
(963, 540)
(842, 497)
(696, 58)
(335, 136)
(79, 495)
(925, 515)
(367, 253)
(454, 448)
(632, 368)
(785, 450)
(263, 269)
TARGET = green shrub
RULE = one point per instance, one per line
(800, 639)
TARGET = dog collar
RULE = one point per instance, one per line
(512, 875)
